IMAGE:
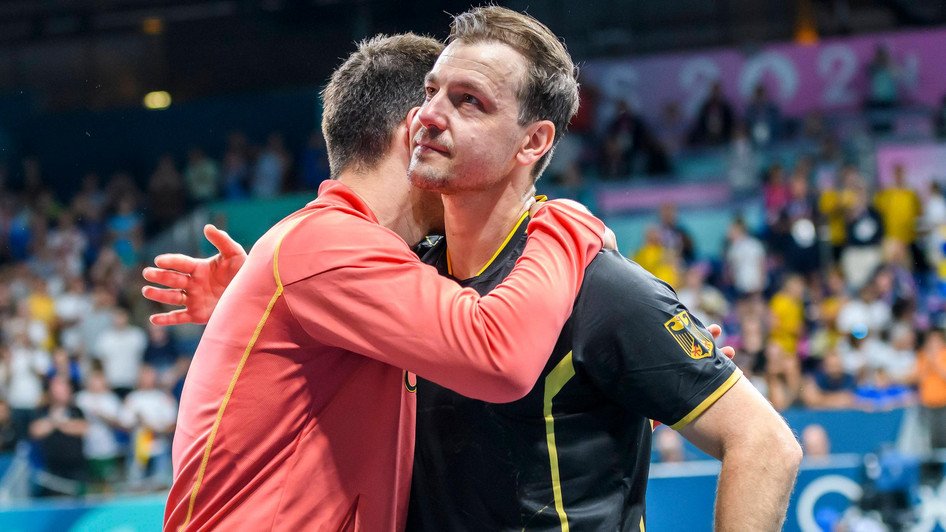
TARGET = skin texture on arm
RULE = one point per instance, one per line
(760, 459)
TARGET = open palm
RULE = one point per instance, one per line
(195, 284)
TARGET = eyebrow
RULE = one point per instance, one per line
(463, 84)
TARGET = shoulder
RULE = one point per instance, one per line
(610, 272)
(620, 288)
(313, 241)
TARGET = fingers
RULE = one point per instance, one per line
(168, 296)
(175, 317)
(176, 261)
(715, 330)
(609, 241)
(226, 245)
(169, 278)
(728, 351)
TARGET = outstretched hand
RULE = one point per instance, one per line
(195, 284)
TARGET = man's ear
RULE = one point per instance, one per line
(408, 121)
(539, 139)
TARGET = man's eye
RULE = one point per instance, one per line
(469, 98)
(430, 91)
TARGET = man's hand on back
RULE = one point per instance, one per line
(195, 284)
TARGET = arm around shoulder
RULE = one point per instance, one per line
(760, 458)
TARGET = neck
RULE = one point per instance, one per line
(478, 223)
(388, 193)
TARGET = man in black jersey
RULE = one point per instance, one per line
(573, 454)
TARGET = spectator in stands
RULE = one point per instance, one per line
(745, 262)
(899, 207)
(271, 168)
(750, 356)
(26, 366)
(673, 129)
(763, 117)
(815, 443)
(834, 202)
(235, 176)
(787, 329)
(865, 231)
(166, 199)
(802, 254)
(121, 349)
(714, 121)
(630, 148)
(673, 234)
(742, 163)
(162, 351)
(787, 314)
(865, 314)
(72, 305)
(933, 223)
(89, 207)
(830, 386)
(96, 320)
(654, 256)
(202, 176)
(704, 301)
(126, 229)
(314, 162)
(58, 430)
(102, 409)
(68, 243)
(939, 120)
(65, 365)
(669, 445)
(150, 414)
(931, 373)
(776, 193)
(8, 436)
(882, 75)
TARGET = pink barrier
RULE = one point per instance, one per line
(631, 198)
(922, 163)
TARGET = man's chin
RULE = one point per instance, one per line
(423, 181)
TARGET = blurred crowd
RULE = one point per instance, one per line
(87, 384)
(835, 300)
(627, 145)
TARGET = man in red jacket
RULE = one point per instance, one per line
(296, 414)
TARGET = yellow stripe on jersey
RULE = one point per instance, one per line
(554, 382)
(695, 413)
(236, 375)
(501, 247)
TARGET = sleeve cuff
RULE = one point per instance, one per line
(713, 397)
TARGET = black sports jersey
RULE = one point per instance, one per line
(573, 455)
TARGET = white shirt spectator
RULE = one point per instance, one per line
(99, 441)
(121, 351)
(151, 409)
(746, 258)
(857, 313)
(26, 384)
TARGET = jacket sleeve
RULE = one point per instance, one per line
(375, 298)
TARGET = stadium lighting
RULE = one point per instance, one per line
(157, 100)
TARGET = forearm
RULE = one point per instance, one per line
(755, 484)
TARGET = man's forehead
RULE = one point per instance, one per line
(497, 62)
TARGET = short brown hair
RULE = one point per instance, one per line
(370, 94)
(550, 89)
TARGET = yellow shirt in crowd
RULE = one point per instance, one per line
(788, 318)
(899, 208)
